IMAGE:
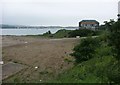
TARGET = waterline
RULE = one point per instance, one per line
(30, 31)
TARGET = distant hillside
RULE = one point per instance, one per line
(8, 26)
(4, 26)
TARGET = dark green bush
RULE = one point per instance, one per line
(114, 39)
(86, 49)
(47, 34)
(81, 32)
(113, 72)
(61, 33)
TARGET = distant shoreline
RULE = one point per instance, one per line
(34, 27)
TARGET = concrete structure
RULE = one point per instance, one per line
(119, 10)
(89, 24)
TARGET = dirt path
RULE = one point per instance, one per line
(48, 55)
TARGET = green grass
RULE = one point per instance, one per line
(92, 71)
(61, 33)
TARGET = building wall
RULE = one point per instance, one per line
(89, 25)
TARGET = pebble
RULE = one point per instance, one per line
(1, 62)
(26, 42)
(36, 67)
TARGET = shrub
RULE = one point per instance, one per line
(114, 39)
(61, 33)
(113, 73)
(81, 32)
(86, 49)
(47, 34)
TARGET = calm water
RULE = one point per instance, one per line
(29, 31)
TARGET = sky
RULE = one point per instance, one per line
(56, 12)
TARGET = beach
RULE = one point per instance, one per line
(43, 58)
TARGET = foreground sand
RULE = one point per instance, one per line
(49, 55)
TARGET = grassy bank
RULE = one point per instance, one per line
(63, 33)
(102, 68)
(92, 71)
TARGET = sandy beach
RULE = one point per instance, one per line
(44, 58)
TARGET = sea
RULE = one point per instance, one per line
(30, 31)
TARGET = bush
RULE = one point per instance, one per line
(114, 39)
(113, 72)
(61, 33)
(81, 32)
(86, 49)
(47, 34)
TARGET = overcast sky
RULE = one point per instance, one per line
(56, 12)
